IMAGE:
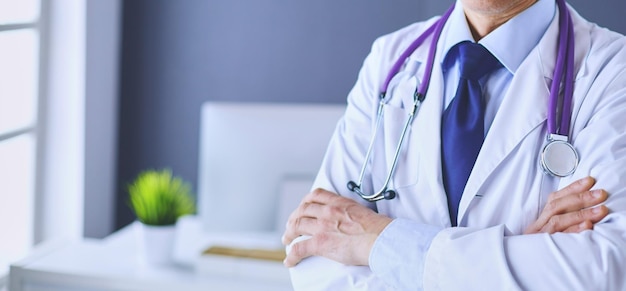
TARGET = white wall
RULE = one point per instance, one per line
(59, 194)
(77, 119)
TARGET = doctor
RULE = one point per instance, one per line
(508, 227)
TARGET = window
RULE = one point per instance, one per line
(19, 100)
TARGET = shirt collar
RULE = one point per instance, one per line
(511, 42)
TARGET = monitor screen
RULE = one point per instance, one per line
(258, 160)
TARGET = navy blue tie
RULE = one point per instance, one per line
(463, 121)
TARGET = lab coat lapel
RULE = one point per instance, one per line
(426, 137)
(522, 110)
(430, 143)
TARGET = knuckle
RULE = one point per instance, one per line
(317, 192)
(327, 224)
(552, 206)
(296, 222)
(582, 184)
(554, 222)
(579, 183)
(578, 217)
(552, 196)
(299, 250)
(334, 211)
(304, 206)
(586, 195)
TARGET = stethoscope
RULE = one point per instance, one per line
(558, 157)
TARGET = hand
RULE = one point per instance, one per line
(340, 228)
(568, 210)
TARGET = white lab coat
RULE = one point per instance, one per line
(506, 189)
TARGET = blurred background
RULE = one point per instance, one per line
(92, 92)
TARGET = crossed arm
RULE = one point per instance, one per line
(343, 230)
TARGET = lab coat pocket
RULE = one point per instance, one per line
(405, 174)
(396, 111)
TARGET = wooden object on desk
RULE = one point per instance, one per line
(261, 254)
(262, 265)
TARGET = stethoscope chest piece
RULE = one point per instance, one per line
(559, 158)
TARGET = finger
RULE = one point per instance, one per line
(591, 198)
(577, 186)
(560, 223)
(290, 227)
(579, 201)
(301, 226)
(571, 202)
(312, 209)
(305, 209)
(306, 220)
(299, 251)
(572, 222)
(552, 206)
(322, 196)
(585, 225)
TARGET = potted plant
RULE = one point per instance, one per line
(158, 199)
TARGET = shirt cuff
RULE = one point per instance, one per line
(399, 252)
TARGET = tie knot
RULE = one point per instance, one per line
(475, 61)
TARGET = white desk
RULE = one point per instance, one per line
(113, 264)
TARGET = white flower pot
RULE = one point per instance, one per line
(157, 243)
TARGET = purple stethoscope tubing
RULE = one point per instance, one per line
(435, 29)
(565, 51)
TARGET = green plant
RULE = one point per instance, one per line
(157, 198)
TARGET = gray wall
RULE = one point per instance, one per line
(103, 25)
(178, 54)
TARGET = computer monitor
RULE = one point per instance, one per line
(258, 160)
